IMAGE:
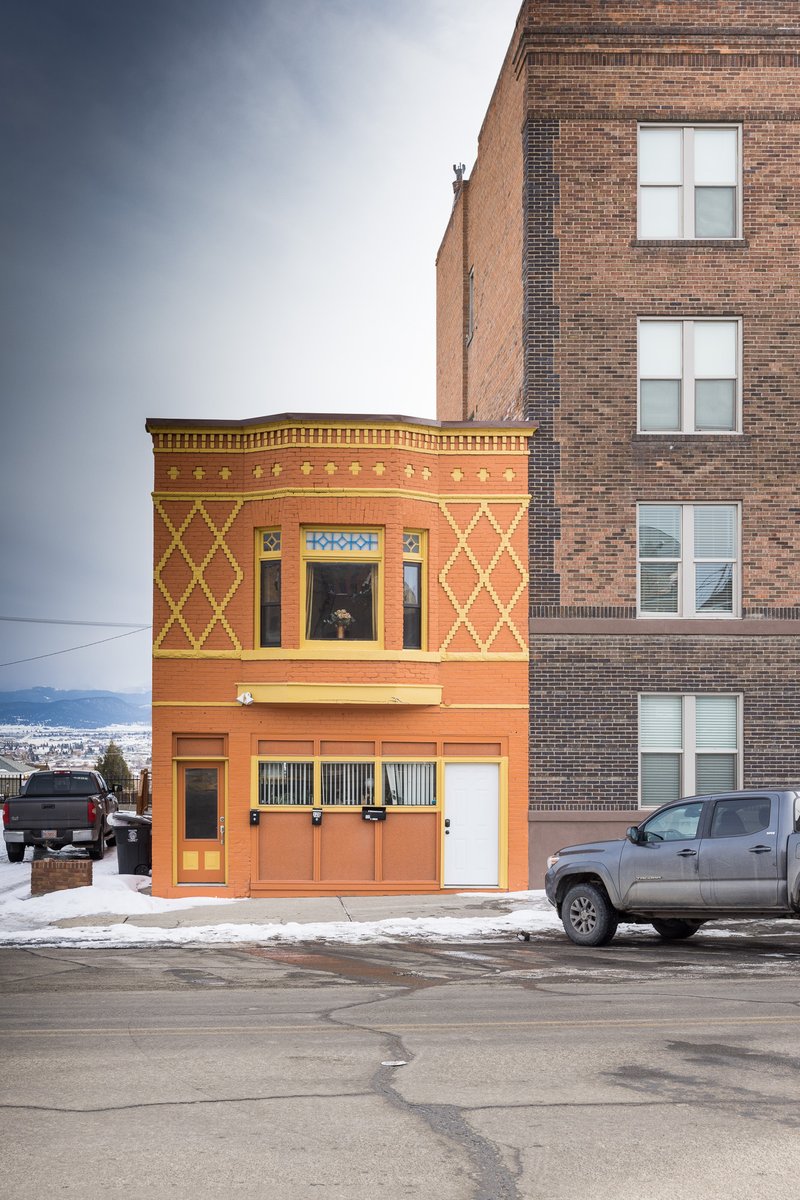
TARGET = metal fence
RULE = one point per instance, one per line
(132, 791)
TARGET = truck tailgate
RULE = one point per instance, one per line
(49, 812)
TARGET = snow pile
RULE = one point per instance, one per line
(27, 920)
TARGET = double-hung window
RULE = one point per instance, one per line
(689, 376)
(689, 181)
(689, 560)
(269, 614)
(413, 561)
(342, 597)
(688, 745)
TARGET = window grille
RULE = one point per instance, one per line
(285, 783)
(348, 783)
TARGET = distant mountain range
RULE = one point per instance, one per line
(74, 709)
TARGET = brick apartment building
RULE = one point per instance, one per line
(621, 268)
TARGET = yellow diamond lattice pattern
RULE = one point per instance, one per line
(218, 604)
(483, 582)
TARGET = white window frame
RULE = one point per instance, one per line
(687, 184)
(687, 379)
(686, 577)
(688, 751)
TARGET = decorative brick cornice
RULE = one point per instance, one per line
(282, 432)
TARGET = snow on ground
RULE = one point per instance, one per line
(27, 920)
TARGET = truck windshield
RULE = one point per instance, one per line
(47, 783)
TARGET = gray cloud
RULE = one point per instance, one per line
(209, 209)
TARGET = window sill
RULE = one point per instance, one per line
(739, 243)
(342, 651)
(371, 694)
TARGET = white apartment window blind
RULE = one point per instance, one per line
(409, 783)
(688, 745)
(348, 783)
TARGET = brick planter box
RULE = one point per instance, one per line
(55, 875)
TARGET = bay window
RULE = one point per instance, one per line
(342, 584)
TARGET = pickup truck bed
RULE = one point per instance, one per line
(57, 809)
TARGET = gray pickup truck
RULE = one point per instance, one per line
(733, 854)
(57, 809)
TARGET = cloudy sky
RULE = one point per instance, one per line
(209, 208)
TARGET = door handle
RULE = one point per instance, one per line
(687, 854)
(222, 830)
(760, 849)
(446, 825)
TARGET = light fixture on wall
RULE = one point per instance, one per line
(245, 698)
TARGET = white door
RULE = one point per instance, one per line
(471, 824)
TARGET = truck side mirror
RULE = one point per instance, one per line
(633, 835)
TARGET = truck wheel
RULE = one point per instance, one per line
(588, 916)
(15, 853)
(673, 931)
(97, 849)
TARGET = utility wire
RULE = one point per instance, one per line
(69, 649)
(100, 624)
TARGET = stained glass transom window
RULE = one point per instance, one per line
(272, 541)
(411, 543)
(349, 541)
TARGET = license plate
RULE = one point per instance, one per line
(49, 833)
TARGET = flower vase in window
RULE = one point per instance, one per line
(340, 618)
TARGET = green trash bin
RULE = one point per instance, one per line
(134, 843)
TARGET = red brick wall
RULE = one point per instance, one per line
(451, 299)
(485, 235)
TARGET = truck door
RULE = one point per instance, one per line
(660, 871)
(739, 854)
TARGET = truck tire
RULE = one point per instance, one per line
(588, 917)
(15, 853)
(97, 849)
(675, 930)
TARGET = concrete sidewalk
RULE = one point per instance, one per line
(323, 909)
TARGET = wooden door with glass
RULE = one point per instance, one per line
(201, 823)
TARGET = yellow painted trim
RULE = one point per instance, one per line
(262, 555)
(331, 435)
(197, 573)
(485, 655)
(355, 650)
(376, 558)
(342, 693)
(198, 654)
(503, 825)
(502, 816)
(223, 764)
(420, 559)
(483, 576)
(234, 704)
(319, 759)
(432, 497)
(486, 706)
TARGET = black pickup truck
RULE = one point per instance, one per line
(57, 809)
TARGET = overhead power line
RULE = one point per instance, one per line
(99, 624)
(70, 649)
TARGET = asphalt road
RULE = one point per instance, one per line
(494, 1071)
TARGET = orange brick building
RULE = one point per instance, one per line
(340, 657)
